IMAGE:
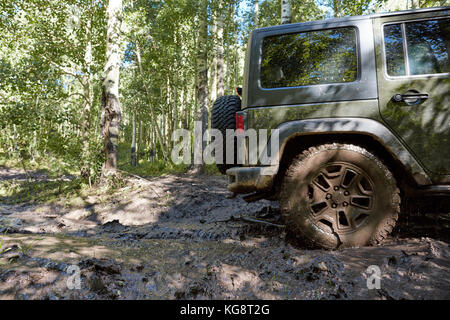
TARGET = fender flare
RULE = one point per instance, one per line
(362, 126)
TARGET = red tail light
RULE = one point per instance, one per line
(239, 122)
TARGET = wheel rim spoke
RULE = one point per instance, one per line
(316, 194)
(341, 197)
(348, 178)
(322, 182)
(364, 186)
(319, 207)
(327, 217)
(363, 202)
(352, 214)
(333, 171)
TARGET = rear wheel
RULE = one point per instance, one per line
(339, 195)
(223, 117)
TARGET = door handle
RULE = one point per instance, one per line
(412, 98)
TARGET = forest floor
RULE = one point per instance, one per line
(179, 237)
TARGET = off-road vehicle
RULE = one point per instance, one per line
(362, 108)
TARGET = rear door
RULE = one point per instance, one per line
(413, 63)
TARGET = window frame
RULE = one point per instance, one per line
(402, 24)
(357, 52)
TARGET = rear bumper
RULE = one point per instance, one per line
(251, 179)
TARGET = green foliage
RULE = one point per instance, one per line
(52, 56)
(25, 248)
(146, 168)
(52, 166)
(12, 191)
(48, 77)
(302, 11)
(211, 170)
(2, 249)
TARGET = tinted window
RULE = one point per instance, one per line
(395, 60)
(309, 58)
(427, 46)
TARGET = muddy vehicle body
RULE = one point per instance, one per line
(362, 108)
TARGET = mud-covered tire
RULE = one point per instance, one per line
(339, 195)
(223, 117)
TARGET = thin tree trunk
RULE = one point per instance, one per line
(236, 59)
(111, 108)
(133, 142)
(140, 140)
(169, 113)
(229, 43)
(285, 12)
(202, 84)
(256, 13)
(216, 48)
(175, 103)
(87, 88)
(150, 144)
(220, 53)
(15, 149)
(34, 149)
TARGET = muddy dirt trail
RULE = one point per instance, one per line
(179, 237)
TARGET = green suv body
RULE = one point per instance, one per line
(348, 95)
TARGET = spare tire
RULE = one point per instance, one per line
(223, 117)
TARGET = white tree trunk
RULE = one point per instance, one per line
(285, 12)
(216, 45)
(220, 52)
(133, 141)
(87, 93)
(111, 109)
(202, 84)
(256, 13)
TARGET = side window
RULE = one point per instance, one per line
(395, 59)
(428, 45)
(309, 58)
(425, 50)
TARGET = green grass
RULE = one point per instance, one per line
(43, 191)
(26, 248)
(154, 168)
(45, 165)
(144, 167)
(211, 170)
(12, 192)
(2, 249)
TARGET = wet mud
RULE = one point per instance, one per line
(179, 237)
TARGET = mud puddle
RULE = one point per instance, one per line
(259, 268)
(178, 237)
